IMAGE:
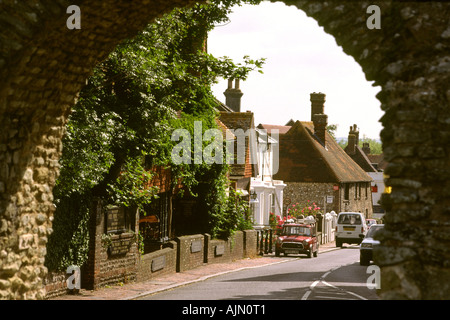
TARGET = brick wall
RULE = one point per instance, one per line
(182, 254)
(105, 267)
(55, 284)
(250, 244)
(226, 250)
(190, 252)
(158, 263)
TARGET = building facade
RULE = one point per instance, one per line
(315, 168)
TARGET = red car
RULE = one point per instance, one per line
(297, 238)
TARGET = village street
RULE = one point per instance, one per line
(334, 275)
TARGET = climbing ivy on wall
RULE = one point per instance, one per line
(150, 85)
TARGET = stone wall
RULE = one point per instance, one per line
(43, 66)
(357, 201)
(301, 192)
(408, 57)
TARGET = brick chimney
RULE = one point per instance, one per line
(317, 104)
(318, 117)
(353, 140)
(356, 133)
(233, 95)
(366, 147)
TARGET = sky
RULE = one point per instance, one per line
(300, 59)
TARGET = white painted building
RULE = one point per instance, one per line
(266, 194)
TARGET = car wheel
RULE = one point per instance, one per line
(309, 254)
(316, 252)
(277, 253)
(338, 243)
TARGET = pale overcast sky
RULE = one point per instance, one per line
(301, 59)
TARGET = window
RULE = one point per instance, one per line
(272, 204)
(296, 230)
(349, 219)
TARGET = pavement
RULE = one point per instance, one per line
(135, 290)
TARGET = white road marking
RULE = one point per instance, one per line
(342, 291)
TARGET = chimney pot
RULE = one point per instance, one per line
(233, 95)
(317, 103)
(366, 148)
(354, 130)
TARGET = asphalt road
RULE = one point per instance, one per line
(334, 275)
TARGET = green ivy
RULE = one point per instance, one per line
(69, 242)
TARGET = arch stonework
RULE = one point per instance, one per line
(43, 65)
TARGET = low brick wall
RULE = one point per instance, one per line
(182, 254)
(190, 252)
(236, 245)
(158, 263)
(218, 251)
(250, 243)
(55, 284)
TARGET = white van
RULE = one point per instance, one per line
(351, 227)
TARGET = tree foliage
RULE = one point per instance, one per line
(147, 87)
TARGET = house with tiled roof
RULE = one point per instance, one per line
(373, 164)
(356, 152)
(314, 167)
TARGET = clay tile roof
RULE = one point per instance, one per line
(303, 158)
(361, 159)
(379, 160)
(237, 120)
(270, 127)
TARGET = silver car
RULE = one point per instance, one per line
(366, 247)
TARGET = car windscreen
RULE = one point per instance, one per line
(348, 218)
(296, 230)
(373, 230)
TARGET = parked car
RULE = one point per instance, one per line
(366, 247)
(351, 227)
(370, 222)
(297, 238)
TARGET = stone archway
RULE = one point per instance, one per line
(44, 64)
